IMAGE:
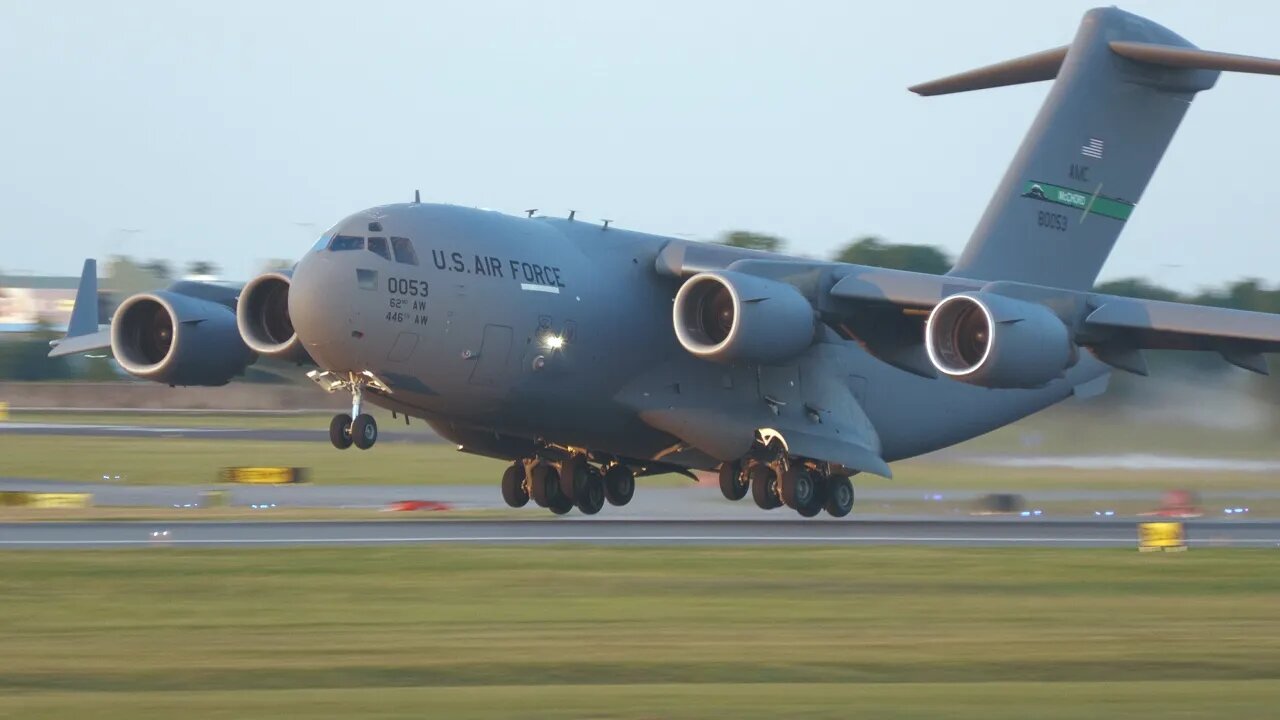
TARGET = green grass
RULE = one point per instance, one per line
(184, 461)
(639, 632)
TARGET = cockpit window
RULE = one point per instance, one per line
(404, 251)
(378, 245)
(322, 243)
(346, 242)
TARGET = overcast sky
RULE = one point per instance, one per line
(238, 131)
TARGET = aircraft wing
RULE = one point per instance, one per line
(83, 332)
(886, 309)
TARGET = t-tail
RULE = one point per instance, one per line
(1120, 89)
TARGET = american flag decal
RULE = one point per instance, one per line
(1092, 149)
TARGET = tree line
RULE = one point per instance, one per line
(1244, 294)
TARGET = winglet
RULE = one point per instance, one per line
(84, 315)
(83, 334)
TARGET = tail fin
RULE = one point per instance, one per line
(1121, 88)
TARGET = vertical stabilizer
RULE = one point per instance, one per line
(1088, 156)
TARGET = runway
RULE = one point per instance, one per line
(966, 533)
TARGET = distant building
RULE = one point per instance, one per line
(28, 301)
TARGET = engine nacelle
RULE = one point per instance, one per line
(998, 342)
(177, 339)
(262, 315)
(728, 316)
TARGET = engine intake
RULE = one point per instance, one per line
(178, 339)
(727, 316)
(262, 316)
(998, 342)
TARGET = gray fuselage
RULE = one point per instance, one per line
(464, 340)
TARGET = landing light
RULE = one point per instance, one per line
(553, 342)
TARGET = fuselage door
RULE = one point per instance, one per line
(495, 355)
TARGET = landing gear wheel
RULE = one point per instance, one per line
(619, 485)
(817, 498)
(734, 483)
(560, 504)
(573, 473)
(589, 496)
(544, 485)
(340, 431)
(763, 480)
(839, 496)
(364, 431)
(513, 490)
(797, 487)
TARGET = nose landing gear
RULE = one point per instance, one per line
(359, 428)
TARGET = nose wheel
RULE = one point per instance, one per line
(358, 428)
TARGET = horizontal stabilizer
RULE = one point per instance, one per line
(1036, 67)
(1045, 65)
(1193, 58)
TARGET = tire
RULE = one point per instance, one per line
(589, 496)
(733, 481)
(619, 485)
(364, 431)
(513, 490)
(573, 473)
(544, 485)
(762, 480)
(839, 496)
(798, 487)
(560, 504)
(340, 431)
(817, 496)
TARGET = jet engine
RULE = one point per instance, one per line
(728, 316)
(262, 315)
(998, 342)
(178, 339)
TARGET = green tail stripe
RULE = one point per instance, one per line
(1079, 199)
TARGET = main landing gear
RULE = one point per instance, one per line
(359, 428)
(807, 488)
(571, 482)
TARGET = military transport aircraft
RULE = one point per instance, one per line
(589, 355)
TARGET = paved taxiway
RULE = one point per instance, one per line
(620, 532)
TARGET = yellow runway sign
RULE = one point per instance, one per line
(263, 475)
(45, 500)
(1161, 536)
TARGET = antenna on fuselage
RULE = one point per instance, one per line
(606, 224)
(530, 212)
(571, 214)
(417, 197)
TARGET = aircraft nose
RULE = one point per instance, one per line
(321, 307)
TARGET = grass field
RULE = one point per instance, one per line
(162, 460)
(639, 632)
(182, 461)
